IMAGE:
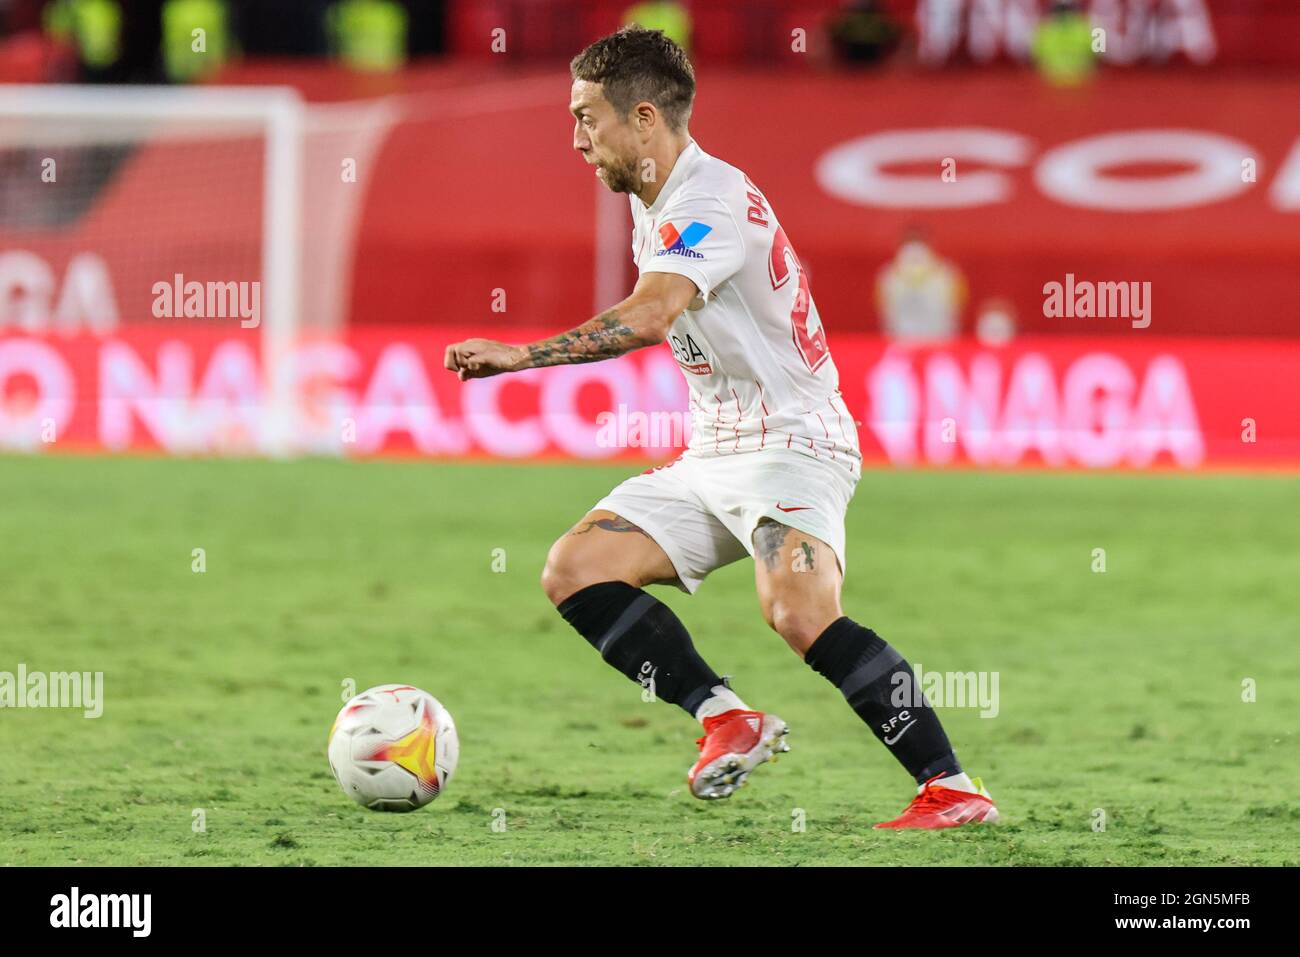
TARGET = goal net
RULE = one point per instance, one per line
(222, 211)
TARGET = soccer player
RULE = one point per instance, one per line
(773, 456)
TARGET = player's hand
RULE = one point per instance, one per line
(480, 358)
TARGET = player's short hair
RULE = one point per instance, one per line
(635, 65)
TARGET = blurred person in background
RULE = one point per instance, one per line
(995, 323)
(188, 54)
(370, 36)
(140, 41)
(1063, 45)
(671, 19)
(154, 41)
(863, 33)
(920, 295)
(364, 36)
(93, 30)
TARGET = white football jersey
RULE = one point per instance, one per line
(751, 344)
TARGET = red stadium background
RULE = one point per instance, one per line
(1184, 175)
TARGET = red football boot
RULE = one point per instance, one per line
(936, 807)
(734, 743)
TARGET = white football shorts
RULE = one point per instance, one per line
(702, 510)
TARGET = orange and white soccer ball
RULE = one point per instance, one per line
(393, 748)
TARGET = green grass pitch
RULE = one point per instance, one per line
(1120, 691)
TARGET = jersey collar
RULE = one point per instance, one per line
(675, 177)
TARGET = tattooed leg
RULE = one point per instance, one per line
(615, 524)
(775, 543)
(604, 547)
(594, 576)
(798, 580)
(799, 588)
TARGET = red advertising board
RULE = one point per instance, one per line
(1133, 401)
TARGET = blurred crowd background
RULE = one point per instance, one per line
(148, 41)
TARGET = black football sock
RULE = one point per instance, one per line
(641, 637)
(863, 665)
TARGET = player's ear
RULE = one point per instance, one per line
(645, 117)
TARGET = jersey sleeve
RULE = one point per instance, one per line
(698, 238)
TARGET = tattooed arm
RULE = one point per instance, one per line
(642, 319)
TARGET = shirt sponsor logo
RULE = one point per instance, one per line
(689, 355)
(682, 243)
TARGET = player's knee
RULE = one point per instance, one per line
(565, 572)
(557, 575)
(799, 623)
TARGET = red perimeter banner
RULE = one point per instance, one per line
(1136, 401)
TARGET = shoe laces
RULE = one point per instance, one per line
(712, 724)
(928, 800)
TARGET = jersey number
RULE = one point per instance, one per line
(811, 345)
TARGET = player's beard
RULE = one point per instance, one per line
(619, 175)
